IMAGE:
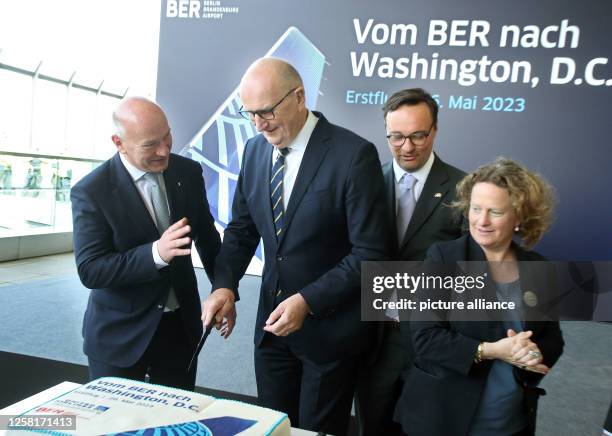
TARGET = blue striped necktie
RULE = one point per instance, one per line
(276, 189)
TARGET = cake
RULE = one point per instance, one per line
(111, 405)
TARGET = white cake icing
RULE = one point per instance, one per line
(112, 405)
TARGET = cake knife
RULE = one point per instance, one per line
(205, 334)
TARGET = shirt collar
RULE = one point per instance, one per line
(301, 140)
(135, 173)
(420, 174)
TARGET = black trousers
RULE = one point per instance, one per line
(165, 360)
(316, 396)
(380, 384)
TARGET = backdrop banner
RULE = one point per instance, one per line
(526, 80)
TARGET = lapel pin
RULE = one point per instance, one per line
(530, 299)
(178, 183)
(438, 194)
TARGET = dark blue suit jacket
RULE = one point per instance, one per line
(334, 220)
(113, 235)
(433, 220)
(443, 388)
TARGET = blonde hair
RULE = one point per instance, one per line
(531, 196)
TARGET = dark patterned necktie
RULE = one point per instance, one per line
(276, 190)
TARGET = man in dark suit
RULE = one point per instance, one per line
(419, 186)
(327, 219)
(143, 314)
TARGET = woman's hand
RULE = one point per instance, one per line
(527, 355)
(504, 348)
(516, 349)
(525, 352)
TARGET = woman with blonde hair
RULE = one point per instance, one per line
(480, 378)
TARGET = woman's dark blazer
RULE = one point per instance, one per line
(443, 388)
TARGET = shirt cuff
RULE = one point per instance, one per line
(159, 262)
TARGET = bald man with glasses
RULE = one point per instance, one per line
(313, 192)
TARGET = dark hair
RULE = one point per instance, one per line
(412, 97)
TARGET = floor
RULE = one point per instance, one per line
(37, 268)
(42, 303)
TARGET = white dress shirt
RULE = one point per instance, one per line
(420, 175)
(293, 160)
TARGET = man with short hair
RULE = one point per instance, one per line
(135, 217)
(419, 186)
(314, 192)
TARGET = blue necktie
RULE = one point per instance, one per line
(406, 202)
(276, 190)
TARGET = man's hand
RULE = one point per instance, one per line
(220, 308)
(173, 241)
(288, 316)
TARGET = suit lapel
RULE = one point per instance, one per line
(264, 188)
(389, 178)
(477, 265)
(175, 191)
(311, 161)
(432, 194)
(127, 195)
(533, 283)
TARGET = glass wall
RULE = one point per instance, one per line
(54, 115)
(35, 192)
(53, 132)
(15, 109)
(63, 70)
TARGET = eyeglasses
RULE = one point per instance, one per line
(418, 139)
(264, 114)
